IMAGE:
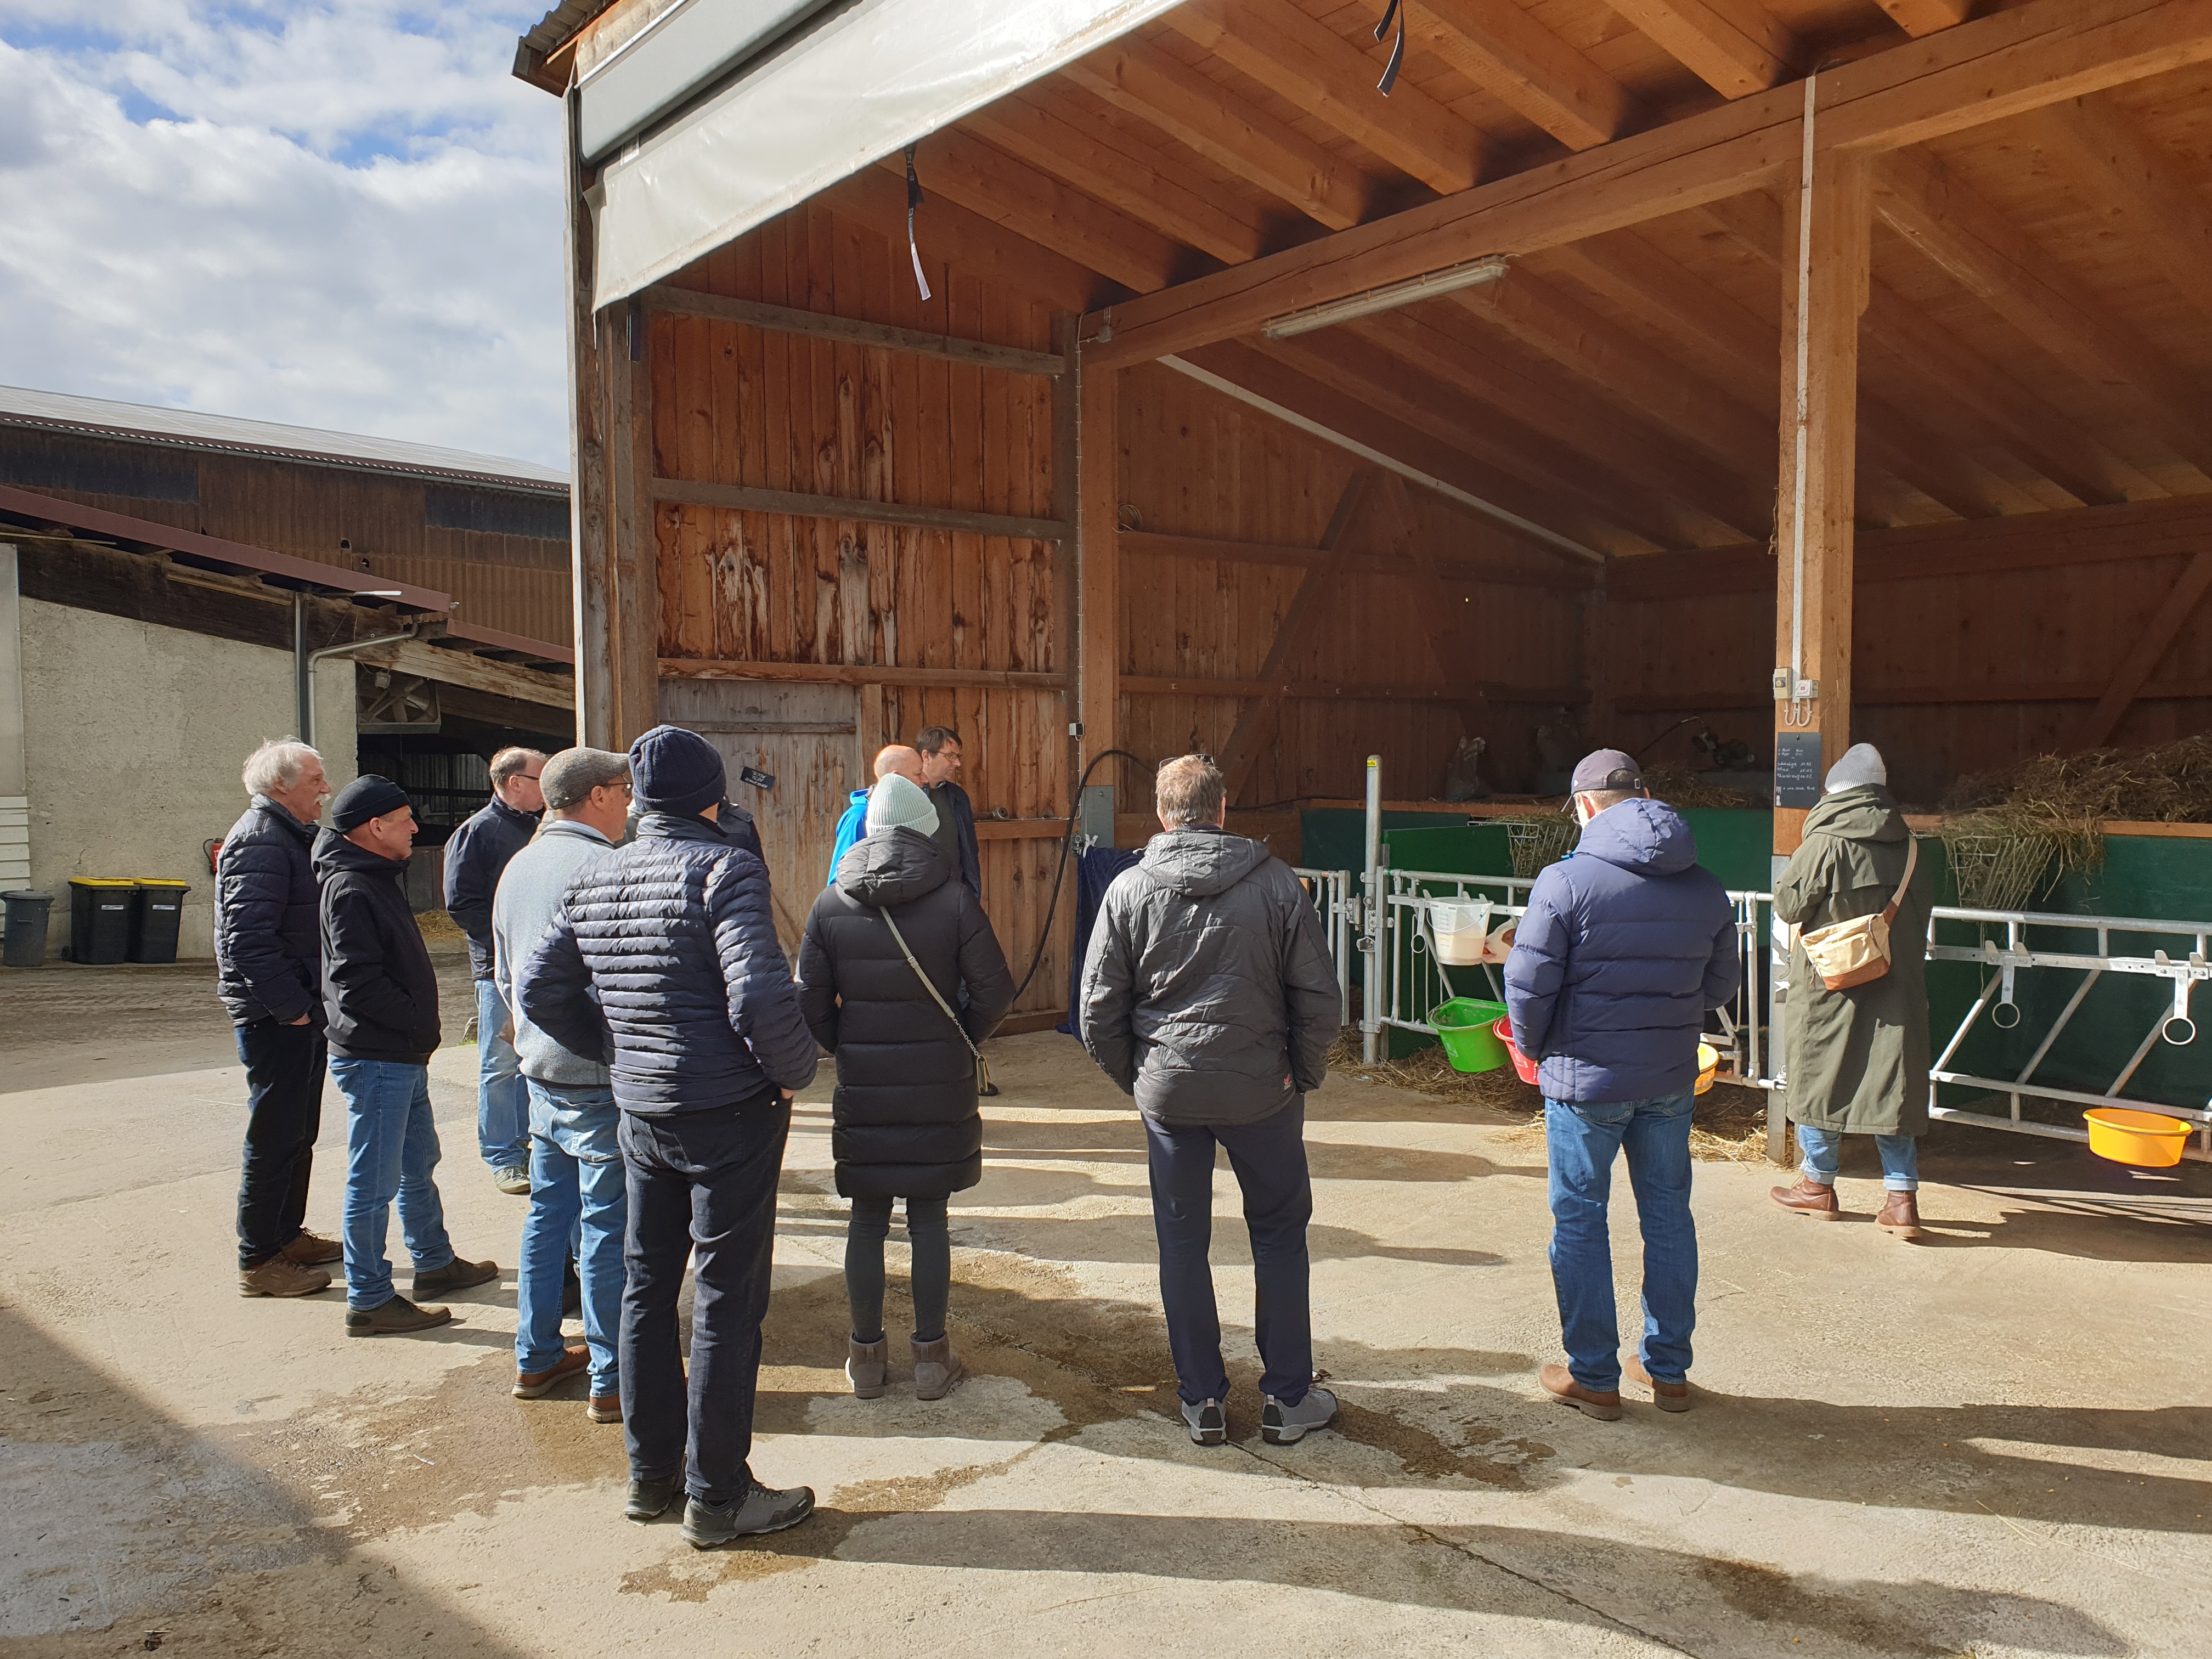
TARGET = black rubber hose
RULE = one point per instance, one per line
(1060, 873)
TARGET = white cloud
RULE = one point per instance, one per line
(338, 213)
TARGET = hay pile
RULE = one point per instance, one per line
(1538, 840)
(1678, 786)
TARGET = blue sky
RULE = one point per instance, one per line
(336, 213)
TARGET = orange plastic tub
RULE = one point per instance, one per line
(2149, 1141)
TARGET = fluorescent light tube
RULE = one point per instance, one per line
(1488, 268)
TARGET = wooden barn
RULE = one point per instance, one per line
(1295, 380)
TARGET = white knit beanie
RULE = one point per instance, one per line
(1861, 763)
(898, 803)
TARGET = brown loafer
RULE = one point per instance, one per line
(1901, 1214)
(279, 1276)
(1667, 1396)
(536, 1385)
(1808, 1198)
(312, 1249)
(1560, 1384)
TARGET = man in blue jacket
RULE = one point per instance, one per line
(1626, 944)
(663, 960)
(897, 759)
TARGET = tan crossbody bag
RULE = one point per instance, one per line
(1847, 953)
(983, 1085)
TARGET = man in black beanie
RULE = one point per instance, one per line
(380, 1002)
(663, 960)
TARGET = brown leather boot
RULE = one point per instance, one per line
(1667, 1396)
(1901, 1214)
(1808, 1198)
(1559, 1383)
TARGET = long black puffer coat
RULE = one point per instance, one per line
(268, 952)
(906, 1123)
(663, 962)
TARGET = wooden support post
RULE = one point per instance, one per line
(632, 593)
(1066, 558)
(2094, 730)
(590, 564)
(1098, 567)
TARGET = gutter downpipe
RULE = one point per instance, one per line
(305, 660)
(1371, 918)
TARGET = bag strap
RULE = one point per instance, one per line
(1889, 910)
(929, 985)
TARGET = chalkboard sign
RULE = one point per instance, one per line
(761, 780)
(1797, 768)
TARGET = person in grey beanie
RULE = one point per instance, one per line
(663, 961)
(1856, 1058)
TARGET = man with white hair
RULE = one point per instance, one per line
(268, 974)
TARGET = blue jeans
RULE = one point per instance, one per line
(1655, 1136)
(502, 1097)
(577, 1199)
(1900, 1158)
(1269, 1158)
(391, 1150)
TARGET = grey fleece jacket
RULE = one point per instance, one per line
(530, 890)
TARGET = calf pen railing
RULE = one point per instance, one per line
(1395, 943)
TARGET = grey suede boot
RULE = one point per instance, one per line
(866, 1368)
(936, 1368)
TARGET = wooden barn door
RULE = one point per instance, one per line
(804, 737)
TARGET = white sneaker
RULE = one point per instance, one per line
(1285, 1425)
(1207, 1424)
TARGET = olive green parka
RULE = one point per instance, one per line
(1856, 1058)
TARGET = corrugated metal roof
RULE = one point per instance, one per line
(185, 429)
(563, 20)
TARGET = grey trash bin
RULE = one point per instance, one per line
(26, 944)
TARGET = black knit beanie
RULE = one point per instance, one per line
(366, 797)
(677, 771)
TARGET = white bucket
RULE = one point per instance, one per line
(1460, 929)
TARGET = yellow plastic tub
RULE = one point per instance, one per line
(2149, 1141)
(1708, 1062)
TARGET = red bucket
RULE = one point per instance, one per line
(1524, 1067)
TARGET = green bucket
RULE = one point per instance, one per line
(1463, 1027)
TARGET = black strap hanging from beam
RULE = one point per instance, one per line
(914, 201)
(1397, 9)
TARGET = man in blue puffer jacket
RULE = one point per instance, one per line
(663, 961)
(1626, 944)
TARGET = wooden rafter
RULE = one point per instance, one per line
(1228, 131)
(1306, 62)
(1535, 572)
(1926, 16)
(1510, 54)
(1734, 47)
(2161, 212)
(2095, 728)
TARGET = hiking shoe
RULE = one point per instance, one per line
(1901, 1214)
(536, 1385)
(762, 1509)
(1285, 1425)
(1207, 1422)
(605, 1409)
(394, 1318)
(312, 1249)
(459, 1275)
(1667, 1396)
(1559, 1383)
(650, 1499)
(1814, 1198)
(514, 1182)
(279, 1276)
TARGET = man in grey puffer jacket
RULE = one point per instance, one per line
(1208, 994)
(576, 1178)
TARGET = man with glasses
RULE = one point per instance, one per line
(476, 854)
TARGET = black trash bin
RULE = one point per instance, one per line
(100, 908)
(26, 944)
(153, 919)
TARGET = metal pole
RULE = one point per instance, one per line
(1371, 916)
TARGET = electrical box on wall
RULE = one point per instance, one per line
(1096, 813)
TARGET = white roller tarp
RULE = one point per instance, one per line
(864, 85)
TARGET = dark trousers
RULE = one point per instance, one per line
(703, 1184)
(284, 1069)
(1269, 1158)
(931, 1275)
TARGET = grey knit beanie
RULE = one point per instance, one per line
(898, 803)
(1861, 763)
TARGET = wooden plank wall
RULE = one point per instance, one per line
(737, 404)
(1198, 463)
(1977, 645)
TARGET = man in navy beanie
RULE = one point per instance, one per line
(663, 960)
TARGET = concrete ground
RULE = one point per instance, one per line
(1996, 1443)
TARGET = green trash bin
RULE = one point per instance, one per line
(153, 918)
(100, 908)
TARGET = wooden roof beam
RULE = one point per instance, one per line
(1998, 66)
(1507, 53)
(1228, 131)
(1736, 47)
(1917, 17)
(2162, 212)
(1316, 69)
(1986, 254)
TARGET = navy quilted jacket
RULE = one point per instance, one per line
(663, 961)
(267, 947)
(1626, 943)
